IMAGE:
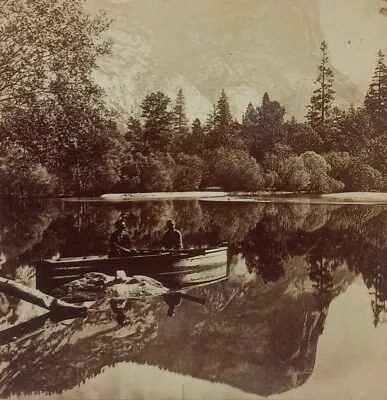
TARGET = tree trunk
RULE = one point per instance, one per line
(39, 298)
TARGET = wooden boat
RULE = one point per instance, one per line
(176, 268)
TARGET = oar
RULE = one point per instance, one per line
(195, 299)
(173, 251)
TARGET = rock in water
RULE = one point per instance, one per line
(95, 286)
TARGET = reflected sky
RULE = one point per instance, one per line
(351, 362)
(351, 357)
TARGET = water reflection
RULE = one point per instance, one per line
(259, 331)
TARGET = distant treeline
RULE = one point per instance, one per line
(58, 136)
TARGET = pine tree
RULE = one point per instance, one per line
(220, 124)
(157, 127)
(375, 101)
(197, 129)
(250, 122)
(194, 142)
(324, 95)
(223, 118)
(210, 121)
(180, 121)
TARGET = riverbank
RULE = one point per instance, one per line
(332, 198)
(163, 196)
(241, 197)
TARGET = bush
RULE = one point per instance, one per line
(354, 173)
(235, 170)
(188, 173)
(21, 176)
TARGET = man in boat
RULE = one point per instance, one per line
(119, 242)
(172, 237)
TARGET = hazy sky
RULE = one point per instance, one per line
(355, 31)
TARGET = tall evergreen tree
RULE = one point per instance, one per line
(194, 142)
(324, 95)
(375, 101)
(157, 128)
(220, 123)
(250, 124)
(223, 118)
(210, 121)
(180, 120)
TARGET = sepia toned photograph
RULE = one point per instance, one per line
(193, 199)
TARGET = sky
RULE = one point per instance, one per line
(355, 31)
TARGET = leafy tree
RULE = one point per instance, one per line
(307, 172)
(71, 135)
(129, 174)
(375, 101)
(235, 170)
(134, 133)
(323, 96)
(188, 172)
(157, 127)
(156, 172)
(21, 175)
(362, 177)
(302, 137)
(318, 170)
(353, 172)
(32, 63)
(353, 131)
(375, 154)
(292, 174)
(269, 129)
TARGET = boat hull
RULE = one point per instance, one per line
(174, 270)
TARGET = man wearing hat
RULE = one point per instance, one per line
(172, 237)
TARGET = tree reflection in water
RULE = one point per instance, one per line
(260, 336)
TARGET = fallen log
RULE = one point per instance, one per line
(39, 298)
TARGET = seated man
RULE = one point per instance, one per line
(172, 237)
(119, 242)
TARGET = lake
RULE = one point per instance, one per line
(301, 313)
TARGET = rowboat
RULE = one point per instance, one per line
(175, 268)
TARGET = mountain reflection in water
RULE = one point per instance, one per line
(300, 314)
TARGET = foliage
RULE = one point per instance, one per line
(188, 172)
(235, 170)
(292, 174)
(302, 137)
(354, 173)
(22, 176)
(223, 131)
(180, 120)
(268, 131)
(375, 101)
(156, 172)
(157, 133)
(309, 171)
(318, 170)
(323, 96)
(33, 63)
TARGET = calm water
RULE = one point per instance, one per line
(301, 314)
